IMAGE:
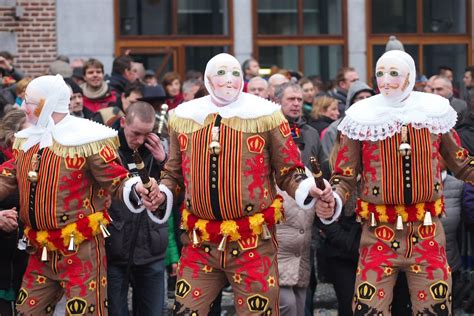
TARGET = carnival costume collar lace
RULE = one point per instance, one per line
(383, 115)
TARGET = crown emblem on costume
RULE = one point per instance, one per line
(427, 231)
(255, 144)
(366, 291)
(439, 290)
(182, 288)
(183, 141)
(384, 233)
(257, 303)
(108, 154)
(76, 306)
(75, 163)
(22, 296)
(248, 243)
(285, 129)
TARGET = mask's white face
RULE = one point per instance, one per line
(224, 79)
(32, 109)
(226, 82)
(392, 77)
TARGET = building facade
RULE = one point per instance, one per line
(313, 36)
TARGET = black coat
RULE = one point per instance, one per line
(12, 260)
(152, 239)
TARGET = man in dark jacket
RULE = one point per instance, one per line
(137, 245)
(122, 74)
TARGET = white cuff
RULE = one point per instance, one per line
(302, 193)
(337, 210)
(169, 206)
(127, 190)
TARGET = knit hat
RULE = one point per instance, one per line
(74, 86)
(59, 67)
(394, 44)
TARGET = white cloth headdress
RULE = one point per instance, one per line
(54, 94)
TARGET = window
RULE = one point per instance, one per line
(202, 17)
(434, 32)
(173, 35)
(394, 16)
(301, 35)
(184, 17)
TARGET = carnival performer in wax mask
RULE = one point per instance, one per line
(226, 151)
(63, 168)
(394, 140)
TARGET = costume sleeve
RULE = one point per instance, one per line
(346, 168)
(172, 175)
(456, 157)
(285, 159)
(8, 183)
(109, 172)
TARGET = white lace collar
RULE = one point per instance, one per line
(371, 119)
(247, 106)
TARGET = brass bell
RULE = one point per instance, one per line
(266, 234)
(373, 221)
(44, 254)
(30, 249)
(222, 244)
(196, 239)
(427, 221)
(32, 176)
(71, 243)
(104, 231)
(215, 148)
(405, 149)
(399, 222)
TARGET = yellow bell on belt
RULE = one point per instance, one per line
(266, 234)
(399, 222)
(373, 221)
(427, 221)
(104, 231)
(196, 240)
(71, 243)
(44, 254)
(222, 244)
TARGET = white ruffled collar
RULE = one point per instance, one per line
(247, 106)
(371, 119)
(73, 131)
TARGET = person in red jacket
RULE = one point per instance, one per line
(96, 93)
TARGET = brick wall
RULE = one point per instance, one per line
(35, 34)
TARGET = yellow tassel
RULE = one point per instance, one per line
(266, 234)
(373, 221)
(222, 244)
(399, 222)
(427, 221)
(196, 240)
(104, 231)
(44, 254)
(71, 243)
